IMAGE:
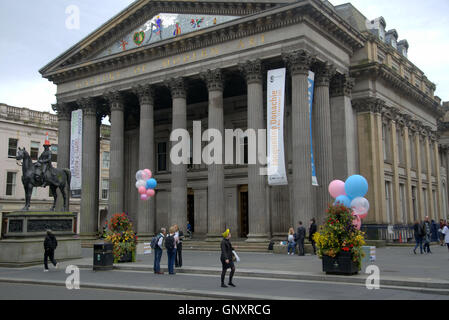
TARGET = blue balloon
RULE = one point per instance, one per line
(151, 183)
(344, 200)
(356, 186)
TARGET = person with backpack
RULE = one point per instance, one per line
(50, 245)
(156, 245)
(418, 233)
(171, 242)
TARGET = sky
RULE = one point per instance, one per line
(34, 32)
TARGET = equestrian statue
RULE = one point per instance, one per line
(42, 174)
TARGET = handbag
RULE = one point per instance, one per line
(235, 256)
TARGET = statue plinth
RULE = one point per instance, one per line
(23, 233)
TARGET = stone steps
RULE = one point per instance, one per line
(242, 246)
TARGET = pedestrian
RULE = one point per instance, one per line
(227, 259)
(434, 231)
(158, 249)
(171, 242)
(189, 230)
(418, 233)
(180, 235)
(300, 236)
(446, 236)
(312, 230)
(291, 242)
(50, 245)
(440, 232)
(427, 235)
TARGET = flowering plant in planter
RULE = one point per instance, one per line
(339, 234)
(120, 233)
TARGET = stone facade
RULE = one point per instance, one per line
(368, 97)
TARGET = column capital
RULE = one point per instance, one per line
(116, 100)
(88, 105)
(341, 85)
(145, 93)
(298, 62)
(252, 70)
(213, 79)
(324, 73)
(178, 87)
(373, 105)
(63, 110)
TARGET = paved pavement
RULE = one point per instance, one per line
(259, 276)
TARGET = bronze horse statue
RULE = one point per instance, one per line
(31, 180)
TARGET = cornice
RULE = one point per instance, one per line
(376, 70)
(278, 17)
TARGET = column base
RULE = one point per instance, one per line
(258, 237)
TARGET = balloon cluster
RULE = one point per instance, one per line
(351, 194)
(145, 184)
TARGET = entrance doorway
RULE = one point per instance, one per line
(191, 209)
(243, 211)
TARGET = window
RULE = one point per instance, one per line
(435, 205)
(424, 196)
(105, 189)
(432, 159)
(402, 199)
(412, 151)
(106, 159)
(386, 137)
(415, 207)
(384, 143)
(11, 183)
(54, 153)
(162, 156)
(423, 158)
(389, 200)
(400, 146)
(12, 148)
(34, 153)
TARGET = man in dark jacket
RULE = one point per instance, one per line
(312, 230)
(418, 233)
(300, 236)
(50, 244)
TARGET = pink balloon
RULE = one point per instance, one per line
(151, 193)
(363, 216)
(337, 188)
(144, 197)
(149, 173)
(142, 190)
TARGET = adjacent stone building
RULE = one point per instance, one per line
(160, 65)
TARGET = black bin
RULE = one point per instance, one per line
(103, 256)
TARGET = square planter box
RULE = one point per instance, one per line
(340, 265)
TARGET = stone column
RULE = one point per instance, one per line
(419, 170)
(64, 134)
(257, 215)
(178, 208)
(146, 209)
(322, 138)
(215, 189)
(117, 166)
(369, 123)
(408, 169)
(89, 200)
(344, 127)
(430, 212)
(302, 202)
(396, 215)
(439, 209)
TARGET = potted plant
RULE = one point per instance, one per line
(120, 233)
(339, 242)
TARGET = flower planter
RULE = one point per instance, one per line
(342, 264)
(127, 257)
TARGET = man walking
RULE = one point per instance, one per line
(312, 230)
(178, 258)
(50, 244)
(300, 236)
(418, 233)
(427, 235)
(158, 251)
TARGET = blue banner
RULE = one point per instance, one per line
(310, 94)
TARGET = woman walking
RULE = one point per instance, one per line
(418, 233)
(291, 242)
(226, 259)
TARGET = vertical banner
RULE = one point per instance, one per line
(76, 152)
(311, 87)
(275, 127)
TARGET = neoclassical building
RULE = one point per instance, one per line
(160, 65)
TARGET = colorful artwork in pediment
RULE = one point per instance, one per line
(162, 27)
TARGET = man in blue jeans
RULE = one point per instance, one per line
(158, 251)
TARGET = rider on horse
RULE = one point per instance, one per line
(44, 164)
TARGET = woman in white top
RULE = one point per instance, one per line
(446, 236)
(291, 242)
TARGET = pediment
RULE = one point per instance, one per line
(118, 34)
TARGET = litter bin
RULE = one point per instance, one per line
(103, 257)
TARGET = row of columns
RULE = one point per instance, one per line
(302, 200)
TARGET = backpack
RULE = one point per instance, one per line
(170, 242)
(154, 241)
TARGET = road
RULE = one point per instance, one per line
(190, 286)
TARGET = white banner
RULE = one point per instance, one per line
(76, 152)
(275, 127)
